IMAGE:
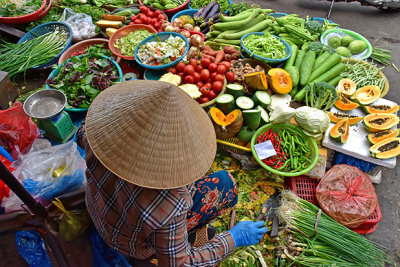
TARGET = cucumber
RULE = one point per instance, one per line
(245, 134)
(235, 89)
(294, 91)
(294, 74)
(299, 58)
(320, 59)
(225, 26)
(262, 99)
(330, 74)
(292, 58)
(244, 103)
(125, 12)
(306, 67)
(335, 80)
(226, 103)
(228, 34)
(264, 115)
(255, 28)
(252, 118)
(331, 61)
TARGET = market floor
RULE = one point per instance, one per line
(374, 25)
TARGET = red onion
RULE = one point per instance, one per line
(186, 34)
(196, 40)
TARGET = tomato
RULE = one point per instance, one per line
(159, 30)
(144, 19)
(153, 21)
(196, 77)
(131, 23)
(172, 70)
(150, 14)
(161, 17)
(188, 79)
(213, 76)
(212, 94)
(157, 25)
(208, 85)
(213, 67)
(230, 76)
(204, 100)
(199, 68)
(221, 69)
(204, 90)
(189, 69)
(217, 86)
(199, 84)
(205, 62)
(179, 67)
(181, 74)
(133, 17)
(138, 21)
(219, 77)
(205, 75)
(226, 64)
(143, 9)
(193, 62)
(157, 12)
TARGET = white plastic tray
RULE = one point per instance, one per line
(357, 144)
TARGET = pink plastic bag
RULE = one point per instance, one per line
(17, 129)
(347, 195)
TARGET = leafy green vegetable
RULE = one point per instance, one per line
(10, 9)
(239, 7)
(128, 44)
(196, 4)
(115, 3)
(321, 95)
(312, 120)
(265, 46)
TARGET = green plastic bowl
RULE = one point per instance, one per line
(310, 141)
(326, 35)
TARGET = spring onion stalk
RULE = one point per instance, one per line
(363, 74)
(17, 58)
(380, 55)
(333, 243)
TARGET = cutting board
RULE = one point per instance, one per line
(357, 144)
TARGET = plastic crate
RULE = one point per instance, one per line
(305, 187)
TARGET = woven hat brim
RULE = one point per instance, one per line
(151, 134)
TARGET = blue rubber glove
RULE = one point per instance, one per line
(248, 233)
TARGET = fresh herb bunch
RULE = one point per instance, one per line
(196, 4)
(239, 7)
(10, 9)
(83, 77)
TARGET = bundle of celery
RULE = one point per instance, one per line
(331, 244)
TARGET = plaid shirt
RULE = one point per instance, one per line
(141, 222)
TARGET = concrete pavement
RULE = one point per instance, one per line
(374, 25)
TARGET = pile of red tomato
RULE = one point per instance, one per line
(208, 76)
(148, 17)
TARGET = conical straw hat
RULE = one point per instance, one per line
(151, 134)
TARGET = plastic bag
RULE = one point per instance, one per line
(80, 23)
(53, 171)
(347, 195)
(30, 246)
(17, 130)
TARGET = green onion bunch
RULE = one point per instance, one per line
(17, 58)
(381, 55)
(332, 244)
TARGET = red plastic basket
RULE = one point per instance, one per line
(304, 187)
(26, 18)
(171, 12)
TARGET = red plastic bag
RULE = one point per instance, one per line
(17, 129)
(4, 190)
(347, 195)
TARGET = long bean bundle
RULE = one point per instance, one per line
(363, 74)
(17, 58)
(332, 242)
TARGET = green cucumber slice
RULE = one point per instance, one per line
(264, 115)
(262, 98)
(252, 118)
(226, 103)
(235, 89)
(244, 102)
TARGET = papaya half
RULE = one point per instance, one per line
(367, 95)
(375, 138)
(387, 148)
(381, 109)
(340, 132)
(343, 103)
(380, 121)
(336, 117)
(347, 87)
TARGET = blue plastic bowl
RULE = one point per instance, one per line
(163, 36)
(56, 71)
(321, 20)
(229, 1)
(46, 28)
(277, 14)
(189, 12)
(288, 49)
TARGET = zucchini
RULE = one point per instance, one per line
(241, 16)
(306, 67)
(320, 59)
(335, 80)
(225, 26)
(235, 89)
(294, 91)
(262, 99)
(124, 12)
(263, 24)
(292, 58)
(299, 58)
(330, 74)
(226, 103)
(252, 118)
(294, 74)
(264, 115)
(228, 42)
(331, 61)
(244, 103)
